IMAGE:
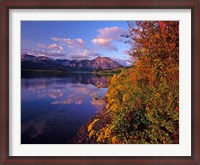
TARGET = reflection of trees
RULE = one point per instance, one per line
(61, 104)
(46, 82)
(99, 82)
(98, 102)
(66, 90)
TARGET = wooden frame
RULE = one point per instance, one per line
(194, 5)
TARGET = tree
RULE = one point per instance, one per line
(155, 45)
(143, 101)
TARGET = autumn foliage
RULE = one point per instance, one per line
(143, 101)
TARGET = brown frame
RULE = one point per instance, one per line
(194, 5)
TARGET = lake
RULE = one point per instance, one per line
(53, 109)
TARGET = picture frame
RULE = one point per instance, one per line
(6, 5)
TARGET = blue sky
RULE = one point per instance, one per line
(75, 39)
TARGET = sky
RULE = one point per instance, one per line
(75, 39)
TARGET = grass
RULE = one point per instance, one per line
(110, 72)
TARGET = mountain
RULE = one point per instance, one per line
(26, 57)
(103, 63)
(30, 62)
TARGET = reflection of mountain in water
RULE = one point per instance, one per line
(42, 82)
(54, 108)
(99, 82)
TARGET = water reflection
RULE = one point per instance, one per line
(54, 108)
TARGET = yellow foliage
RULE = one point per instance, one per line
(100, 137)
(107, 132)
(114, 139)
(92, 133)
(92, 124)
(142, 100)
(125, 97)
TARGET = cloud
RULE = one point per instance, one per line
(56, 55)
(34, 52)
(101, 41)
(75, 53)
(111, 32)
(107, 36)
(55, 94)
(49, 53)
(83, 53)
(55, 47)
(36, 128)
(76, 48)
(70, 100)
(70, 43)
(104, 42)
(41, 46)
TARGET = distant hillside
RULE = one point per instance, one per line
(30, 62)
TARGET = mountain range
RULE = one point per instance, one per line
(31, 62)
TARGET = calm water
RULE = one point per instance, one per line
(54, 108)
